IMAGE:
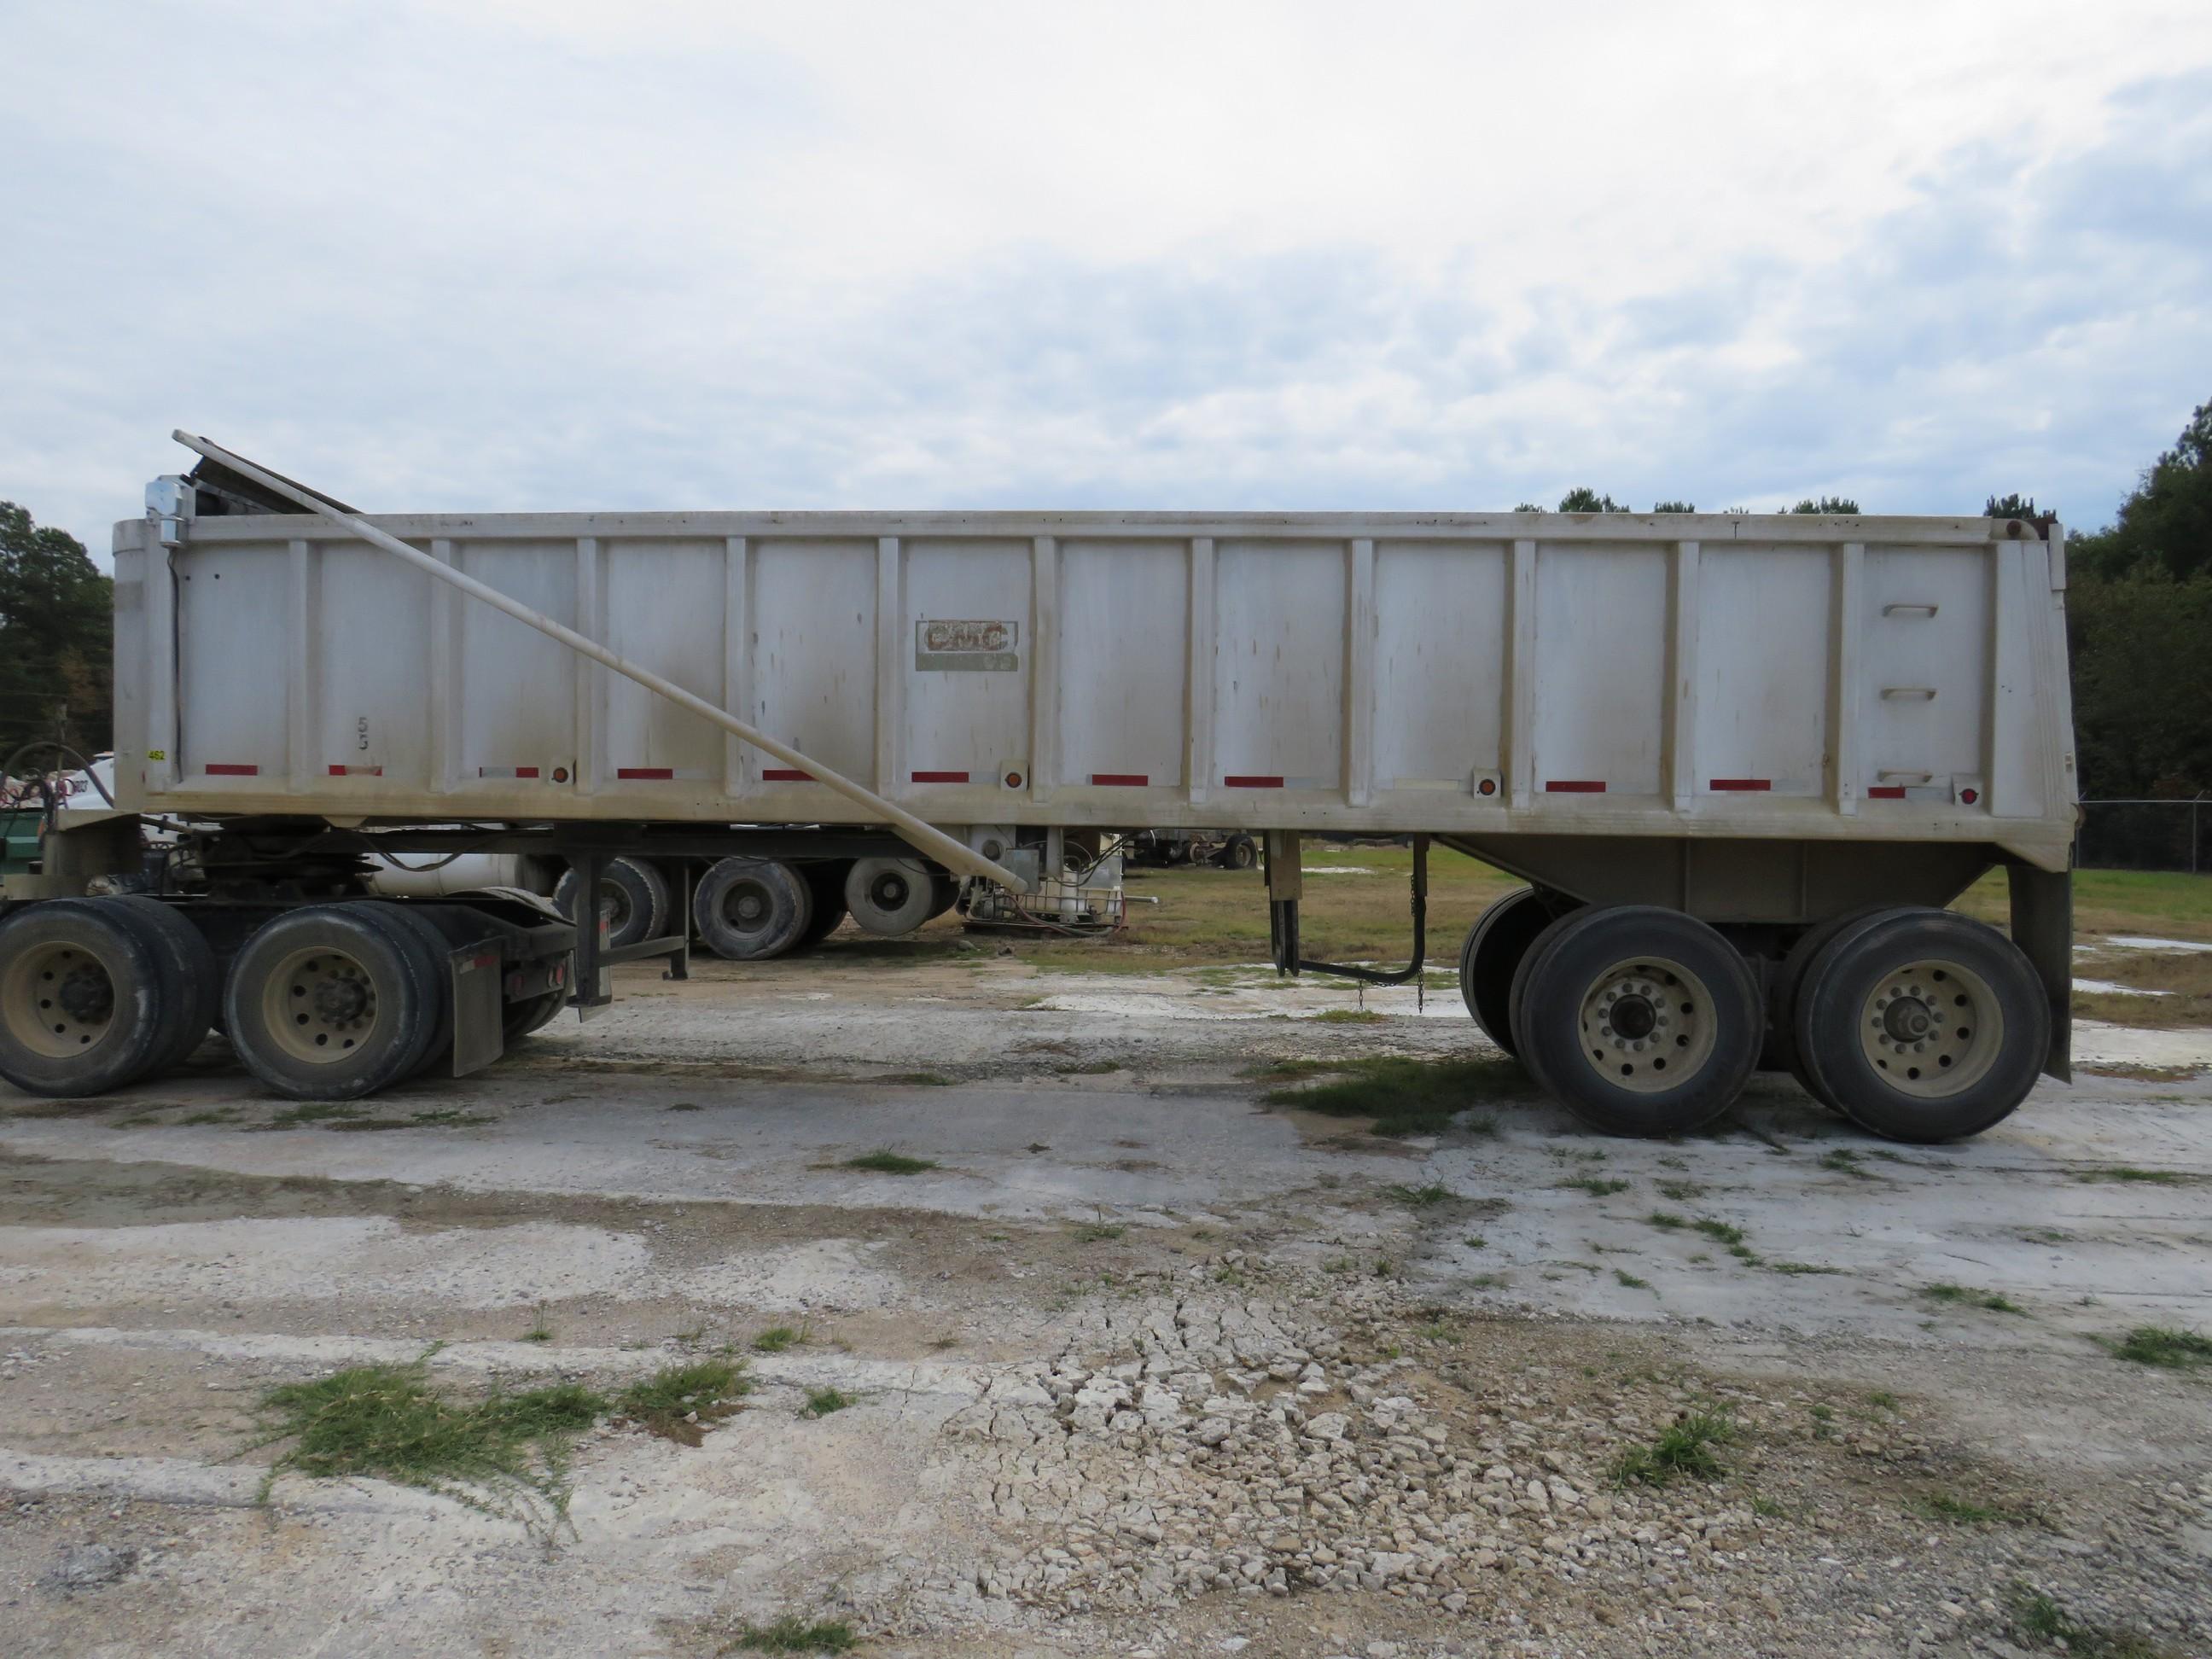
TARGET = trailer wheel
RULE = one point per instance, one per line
(1240, 853)
(825, 885)
(436, 946)
(1640, 1020)
(326, 1003)
(752, 909)
(889, 896)
(944, 893)
(1488, 960)
(196, 981)
(88, 1000)
(520, 1019)
(1922, 1025)
(633, 900)
(1781, 1053)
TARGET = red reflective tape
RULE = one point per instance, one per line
(652, 772)
(225, 769)
(1752, 784)
(940, 777)
(1120, 779)
(1575, 787)
(525, 771)
(485, 959)
(785, 775)
(1254, 781)
(357, 771)
(1887, 792)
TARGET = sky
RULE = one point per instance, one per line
(548, 254)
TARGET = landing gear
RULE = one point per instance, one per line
(1640, 1020)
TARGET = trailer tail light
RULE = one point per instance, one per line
(646, 774)
(507, 772)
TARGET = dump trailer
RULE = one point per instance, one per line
(1743, 763)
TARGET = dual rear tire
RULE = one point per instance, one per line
(97, 993)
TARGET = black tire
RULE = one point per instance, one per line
(825, 885)
(435, 945)
(944, 893)
(87, 998)
(518, 1020)
(1781, 1053)
(194, 989)
(1908, 1066)
(632, 897)
(1240, 853)
(1692, 1000)
(749, 909)
(1491, 955)
(376, 1018)
(889, 898)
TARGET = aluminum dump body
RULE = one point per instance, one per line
(1892, 680)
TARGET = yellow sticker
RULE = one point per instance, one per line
(157, 754)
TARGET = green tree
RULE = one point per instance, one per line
(1842, 504)
(55, 638)
(1674, 506)
(1583, 499)
(2167, 522)
(2012, 507)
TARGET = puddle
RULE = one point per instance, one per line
(2113, 988)
(2096, 1043)
(2144, 942)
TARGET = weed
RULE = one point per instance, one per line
(1801, 1267)
(2165, 1346)
(457, 1120)
(1720, 1232)
(326, 1111)
(1595, 1187)
(1350, 1016)
(1845, 1161)
(1942, 1506)
(1824, 1422)
(1420, 1198)
(687, 1106)
(1488, 1281)
(505, 1455)
(1475, 1242)
(1685, 1446)
(1681, 1192)
(1229, 1277)
(1675, 1163)
(1965, 1295)
(1883, 1400)
(820, 1402)
(1629, 1281)
(540, 1330)
(1098, 1232)
(883, 1161)
(1766, 1507)
(1341, 1264)
(2036, 1615)
(789, 1635)
(220, 1114)
(1385, 1267)
(1662, 1218)
(1435, 1331)
(679, 1403)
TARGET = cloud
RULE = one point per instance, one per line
(444, 257)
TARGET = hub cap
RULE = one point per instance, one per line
(1930, 1029)
(57, 1000)
(748, 907)
(1647, 1026)
(319, 1006)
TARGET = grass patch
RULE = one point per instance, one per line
(1488, 1281)
(1596, 1186)
(457, 1119)
(680, 1402)
(2036, 1615)
(321, 1111)
(1965, 1295)
(1944, 1506)
(506, 1454)
(883, 1161)
(1098, 1232)
(1720, 1232)
(2165, 1347)
(687, 1106)
(220, 1114)
(1798, 1268)
(1421, 1198)
(1663, 1219)
(793, 1634)
(541, 1328)
(776, 1337)
(2127, 1172)
(1350, 1016)
(1684, 1447)
(820, 1402)
(1629, 1281)
(1680, 1192)
(1845, 1161)
(921, 1079)
(1405, 1096)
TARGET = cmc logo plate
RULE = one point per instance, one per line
(971, 647)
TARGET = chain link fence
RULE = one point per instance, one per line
(2146, 835)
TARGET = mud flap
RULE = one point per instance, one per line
(479, 1006)
(2043, 927)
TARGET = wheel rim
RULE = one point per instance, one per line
(319, 1006)
(58, 1000)
(1931, 1028)
(748, 907)
(614, 905)
(1647, 1024)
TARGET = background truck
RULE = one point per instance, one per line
(1742, 761)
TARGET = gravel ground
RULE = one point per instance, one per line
(1144, 1365)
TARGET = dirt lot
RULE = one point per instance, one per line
(1109, 1352)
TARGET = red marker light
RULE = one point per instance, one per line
(1013, 780)
(1970, 796)
(1487, 787)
